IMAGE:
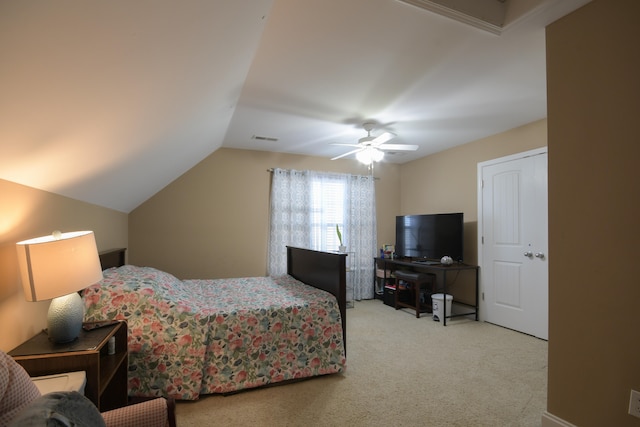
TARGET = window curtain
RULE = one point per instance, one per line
(361, 231)
(290, 222)
(306, 206)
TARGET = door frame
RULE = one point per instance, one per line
(482, 305)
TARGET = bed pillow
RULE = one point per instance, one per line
(133, 278)
(103, 300)
(63, 408)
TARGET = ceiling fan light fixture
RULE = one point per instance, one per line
(369, 155)
(377, 155)
(364, 157)
(371, 148)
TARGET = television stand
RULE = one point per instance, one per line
(388, 266)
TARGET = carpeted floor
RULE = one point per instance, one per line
(401, 371)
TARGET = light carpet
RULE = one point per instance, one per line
(401, 371)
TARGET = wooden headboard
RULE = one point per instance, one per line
(112, 258)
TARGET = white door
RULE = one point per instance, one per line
(513, 242)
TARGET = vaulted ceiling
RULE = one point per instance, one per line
(108, 102)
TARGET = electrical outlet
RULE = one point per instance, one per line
(634, 403)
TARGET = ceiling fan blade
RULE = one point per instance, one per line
(348, 153)
(345, 145)
(398, 147)
(387, 136)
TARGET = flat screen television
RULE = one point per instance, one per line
(430, 236)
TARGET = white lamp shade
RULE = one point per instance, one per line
(54, 266)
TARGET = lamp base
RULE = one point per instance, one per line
(64, 319)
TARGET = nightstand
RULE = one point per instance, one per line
(106, 373)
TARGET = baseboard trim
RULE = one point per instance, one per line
(550, 420)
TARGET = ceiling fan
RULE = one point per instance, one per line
(371, 149)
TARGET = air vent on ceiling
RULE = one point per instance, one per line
(264, 138)
(488, 15)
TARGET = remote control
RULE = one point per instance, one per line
(95, 325)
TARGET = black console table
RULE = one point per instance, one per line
(389, 265)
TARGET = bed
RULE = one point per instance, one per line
(193, 337)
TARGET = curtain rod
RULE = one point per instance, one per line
(270, 170)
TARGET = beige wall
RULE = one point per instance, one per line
(447, 181)
(214, 220)
(593, 66)
(25, 213)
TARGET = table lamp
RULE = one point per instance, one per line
(56, 267)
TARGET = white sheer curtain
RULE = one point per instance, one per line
(306, 206)
(290, 219)
(361, 240)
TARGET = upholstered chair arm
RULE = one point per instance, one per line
(151, 413)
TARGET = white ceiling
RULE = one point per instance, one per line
(108, 102)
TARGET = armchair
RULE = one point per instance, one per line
(21, 404)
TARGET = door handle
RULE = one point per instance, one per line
(539, 255)
(528, 254)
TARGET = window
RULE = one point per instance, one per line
(306, 206)
(327, 211)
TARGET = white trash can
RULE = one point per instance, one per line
(437, 301)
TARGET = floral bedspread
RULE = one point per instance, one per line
(192, 337)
